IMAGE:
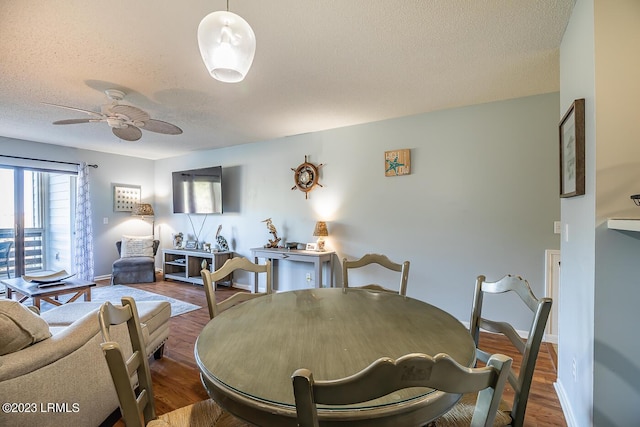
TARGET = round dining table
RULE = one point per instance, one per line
(247, 354)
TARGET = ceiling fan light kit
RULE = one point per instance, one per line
(227, 45)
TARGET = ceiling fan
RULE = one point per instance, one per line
(125, 120)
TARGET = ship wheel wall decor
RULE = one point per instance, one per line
(306, 177)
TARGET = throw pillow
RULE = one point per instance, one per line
(20, 327)
(136, 246)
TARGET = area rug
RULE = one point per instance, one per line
(114, 294)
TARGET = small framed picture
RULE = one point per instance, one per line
(397, 162)
(125, 197)
(311, 246)
(572, 151)
(190, 244)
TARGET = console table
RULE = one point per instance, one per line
(317, 258)
(185, 264)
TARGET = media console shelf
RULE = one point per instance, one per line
(184, 265)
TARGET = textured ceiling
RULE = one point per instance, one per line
(318, 65)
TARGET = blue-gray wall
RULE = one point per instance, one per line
(481, 198)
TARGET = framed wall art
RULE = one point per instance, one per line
(125, 197)
(397, 162)
(572, 151)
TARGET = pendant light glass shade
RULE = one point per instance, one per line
(227, 45)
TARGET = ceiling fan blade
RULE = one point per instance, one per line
(73, 121)
(161, 127)
(134, 114)
(92, 113)
(130, 133)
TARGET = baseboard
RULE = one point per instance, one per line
(243, 287)
(564, 403)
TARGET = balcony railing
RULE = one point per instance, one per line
(34, 249)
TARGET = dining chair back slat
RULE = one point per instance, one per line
(386, 375)
(383, 261)
(529, 348)
(137, 409)
(209, 280)
(520, 381)
(132, 378)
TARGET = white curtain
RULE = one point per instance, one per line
(83, 227)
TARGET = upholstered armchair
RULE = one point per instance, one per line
(137, 261)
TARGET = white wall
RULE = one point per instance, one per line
(481, 198)
(599, 290)
(616, 365)
(576, 305)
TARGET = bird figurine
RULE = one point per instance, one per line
(222, 242)
(273, 243)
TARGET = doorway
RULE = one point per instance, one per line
(37, 216)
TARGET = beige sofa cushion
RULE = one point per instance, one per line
(20, 327)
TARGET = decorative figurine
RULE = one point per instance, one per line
(177, 240)
(273, 243)
(222, 242)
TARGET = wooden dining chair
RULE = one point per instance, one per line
(136, 399)
(386, 375)
(520, 381)
(382, 260)
(209, 280)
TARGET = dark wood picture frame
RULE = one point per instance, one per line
(572, 170)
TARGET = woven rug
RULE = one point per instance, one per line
(114, 293)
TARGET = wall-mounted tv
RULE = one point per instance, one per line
(198, 191)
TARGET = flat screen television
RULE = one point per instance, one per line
(198, 191)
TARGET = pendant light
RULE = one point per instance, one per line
(227, 45)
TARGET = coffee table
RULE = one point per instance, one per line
(47, 292)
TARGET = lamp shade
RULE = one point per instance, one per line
(142, 209)
(321, 229)
(227, 45)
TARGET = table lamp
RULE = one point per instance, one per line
(320, 232)
(145, 210)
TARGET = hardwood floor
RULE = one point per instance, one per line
(176, 382)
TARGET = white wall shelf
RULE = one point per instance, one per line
(626, 224)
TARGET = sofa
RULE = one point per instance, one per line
(62, 378)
